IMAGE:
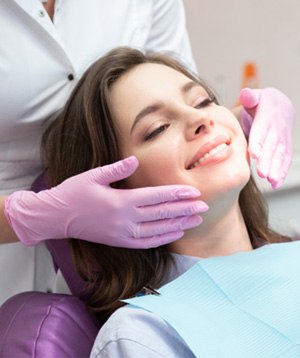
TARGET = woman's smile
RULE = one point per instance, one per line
(211, 152)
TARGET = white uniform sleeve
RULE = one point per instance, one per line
(126, 348)
(168, 30)
(135, 333)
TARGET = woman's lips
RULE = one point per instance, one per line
(212, 151)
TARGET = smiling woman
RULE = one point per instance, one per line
(177, 120)
(152, 107)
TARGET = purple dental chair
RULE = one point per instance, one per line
(39, 325)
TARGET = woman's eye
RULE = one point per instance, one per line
(156, 132)
(206, 102)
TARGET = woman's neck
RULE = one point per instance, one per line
(218, 235)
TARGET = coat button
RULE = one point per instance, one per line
(70, 77)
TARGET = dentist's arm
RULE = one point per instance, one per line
(268, 117)
(87, 207)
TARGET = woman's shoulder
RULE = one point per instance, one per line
(131, 331)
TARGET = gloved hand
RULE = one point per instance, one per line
(86, 207)
(268, 118)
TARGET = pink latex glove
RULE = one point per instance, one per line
(268, 118)
(86, 207)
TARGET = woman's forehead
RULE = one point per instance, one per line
(148, 78)
(152, 72)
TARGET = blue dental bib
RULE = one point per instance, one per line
(245, 305)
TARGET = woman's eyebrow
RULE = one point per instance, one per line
(189, 85)
(157, 106)
(145, 112)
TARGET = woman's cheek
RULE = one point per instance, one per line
(153, 171)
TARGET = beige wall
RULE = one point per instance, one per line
(226, 34)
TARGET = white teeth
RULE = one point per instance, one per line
(208, 154)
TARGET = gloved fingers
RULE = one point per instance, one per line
(165, 226)
(161, 194)
(258, 135)
(114, 172)
(249, 98)
(155, 241)
(274, 111)
(171, 210)
(276, 174)
(246, 122)
(264, 160)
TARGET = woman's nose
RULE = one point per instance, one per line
(198, 123)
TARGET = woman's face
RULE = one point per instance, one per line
(177, 133)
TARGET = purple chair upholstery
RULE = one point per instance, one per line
(61, 253)
(37, 324)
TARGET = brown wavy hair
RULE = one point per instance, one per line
(84, 137)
